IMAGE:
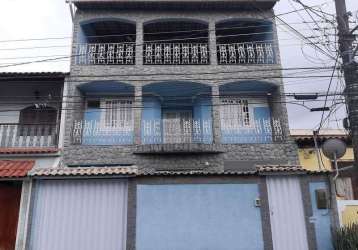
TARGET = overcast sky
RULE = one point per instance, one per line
(23, 19)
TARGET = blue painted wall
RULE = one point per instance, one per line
(104, 138)
(198, 216)
(321, 219)
(250, 135)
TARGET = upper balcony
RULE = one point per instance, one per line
(176, 42)
(106, 42)
(171, 42)
(245, 42)
(30, 114)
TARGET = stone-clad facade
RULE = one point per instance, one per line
(140, 75)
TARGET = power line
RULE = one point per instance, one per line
(328, 89)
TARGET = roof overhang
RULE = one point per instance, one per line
(30, 76)
(178, 5)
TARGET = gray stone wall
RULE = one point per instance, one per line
(144, 74)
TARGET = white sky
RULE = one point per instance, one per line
(23, 19)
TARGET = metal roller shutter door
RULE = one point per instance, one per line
(79, 214)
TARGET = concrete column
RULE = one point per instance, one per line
(24, 215)
(137, 114)
(216, 113)
(212, 43)
(139, 43)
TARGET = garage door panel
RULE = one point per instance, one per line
(79, 214)
(198, 216)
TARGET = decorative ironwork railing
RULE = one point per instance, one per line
(259, 131)
(28, 135)
(176, 53)
(96, 133)
(105, 53)
(168, 131)
(246, 53)
(174, 131)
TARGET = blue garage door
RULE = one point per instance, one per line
(198, 217)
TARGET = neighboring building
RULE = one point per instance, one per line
(176, 136)
(347, 181)
(30, 114)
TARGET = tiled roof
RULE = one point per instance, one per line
(25, 150)
(15, 168)
(84, 171)
(133, 171)
(323, 133)
(194, 172)
(288, 169)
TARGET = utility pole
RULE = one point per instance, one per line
(350, 69)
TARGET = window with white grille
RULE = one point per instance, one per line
(235, 113)
(117, 114)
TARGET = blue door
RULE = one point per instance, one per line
(321, 219)
(198, 216)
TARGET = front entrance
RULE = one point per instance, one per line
(10, 195)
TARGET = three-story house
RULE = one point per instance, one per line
(176, 135)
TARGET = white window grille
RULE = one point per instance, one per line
(235, 113)
(117, 114)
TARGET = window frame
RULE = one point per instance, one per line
(119, 126)
(255, 102)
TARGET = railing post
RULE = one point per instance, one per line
(137, 114)
(212, 43)
(139, 44)
(215, 100)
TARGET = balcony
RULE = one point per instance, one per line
(246, 53)
(176, 53)
(105, 54)
(107, 41)
(176, 42)
(28, 135)
(176, 131)
(107, 118)
(91, 132)
(245, 42)
(259, 131)
(31, 111)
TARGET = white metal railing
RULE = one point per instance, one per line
(176, 53)
(167, 131)
(28, 135)
(105, 53)
(94, 132)
(246, 53)
(259, 131)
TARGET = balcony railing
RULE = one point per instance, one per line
(170, 131)
(176, 53)
(28, 135)
(246, 53)
(105, 53)
(96, 133)
(259, 131)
